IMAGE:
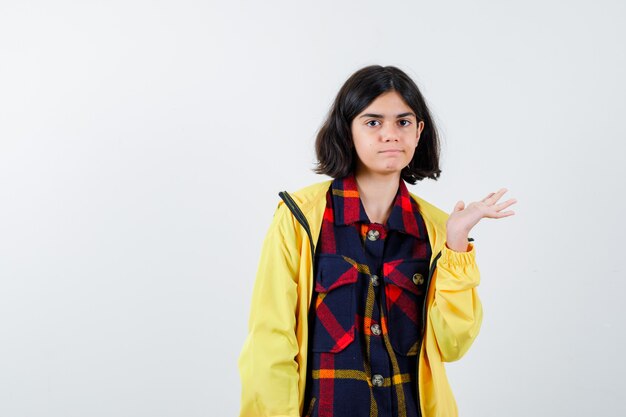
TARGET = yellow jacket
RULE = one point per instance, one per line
(273, 361)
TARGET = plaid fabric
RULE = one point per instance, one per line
(367, 306)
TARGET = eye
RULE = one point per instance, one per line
(408, 122)
(372, 121)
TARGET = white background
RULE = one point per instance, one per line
(143, 145)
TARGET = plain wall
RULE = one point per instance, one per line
(143, 145)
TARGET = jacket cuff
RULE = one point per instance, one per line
(453, 257)
(457, 271)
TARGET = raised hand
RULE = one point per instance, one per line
(463, 219)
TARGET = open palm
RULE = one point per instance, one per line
(463, 219)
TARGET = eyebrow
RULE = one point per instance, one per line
(380, 116)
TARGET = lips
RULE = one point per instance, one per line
(391, 150)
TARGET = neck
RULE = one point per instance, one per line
(377, 192)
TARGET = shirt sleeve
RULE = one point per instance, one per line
(456, 313)
(267, 365)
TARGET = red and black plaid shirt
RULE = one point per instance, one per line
(366, 312)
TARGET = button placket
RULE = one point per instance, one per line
(374, 241)
(373, 246)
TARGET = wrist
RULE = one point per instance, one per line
(458, 242)
(458, 246)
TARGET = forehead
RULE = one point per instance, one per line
(390, 101)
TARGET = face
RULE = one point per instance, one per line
(385, 135)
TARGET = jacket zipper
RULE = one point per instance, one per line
(430, 274)
(300, 217)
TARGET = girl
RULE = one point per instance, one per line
(363, 288)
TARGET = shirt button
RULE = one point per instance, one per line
(373, 234)
(375, 281)
(377, 380)
(375, 328)
(418, 279)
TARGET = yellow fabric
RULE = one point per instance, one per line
(273, 361)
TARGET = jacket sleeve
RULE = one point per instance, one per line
(267, 365)
(456, 313)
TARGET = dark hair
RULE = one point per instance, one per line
(334, 146)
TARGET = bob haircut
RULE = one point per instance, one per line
(334, 146)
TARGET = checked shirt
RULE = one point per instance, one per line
(366, 310)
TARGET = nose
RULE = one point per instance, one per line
(389, 133)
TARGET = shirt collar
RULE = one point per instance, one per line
(348, 207)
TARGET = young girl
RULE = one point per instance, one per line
(363, 288)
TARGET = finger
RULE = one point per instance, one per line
(490, 194)
(505, 204)
(496, 196)
(500, 214)
(505, 214)
(460, 205)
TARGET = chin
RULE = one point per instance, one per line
(387, 171)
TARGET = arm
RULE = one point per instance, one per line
(456, 313)
(267, 366)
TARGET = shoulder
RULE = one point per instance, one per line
(309, 196)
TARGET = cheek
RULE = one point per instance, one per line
(410, 153)
(360, 143)
(364, 149)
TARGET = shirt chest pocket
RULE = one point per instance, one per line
(405, 289)
(333, 324)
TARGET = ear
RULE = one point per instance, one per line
(420, 128)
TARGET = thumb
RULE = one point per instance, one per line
(460, 205)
